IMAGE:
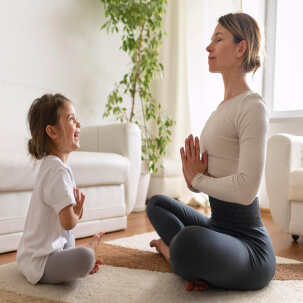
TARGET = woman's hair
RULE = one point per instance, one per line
(244, 27)
(43, 111)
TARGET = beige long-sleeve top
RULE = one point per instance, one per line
(235, 138)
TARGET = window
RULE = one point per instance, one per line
(256, 9)
(282, 78)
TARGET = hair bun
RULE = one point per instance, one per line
(32, 149)
(257, 61)
(254, 64)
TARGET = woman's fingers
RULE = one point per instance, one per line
(187, 149)
(190, 149)
(205, 159)
(197, 146)
(183, 156)
(192, 145)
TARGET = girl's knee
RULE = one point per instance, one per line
(86, 258)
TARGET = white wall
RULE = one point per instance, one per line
(58, 46)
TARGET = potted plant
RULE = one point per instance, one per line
(131, 99)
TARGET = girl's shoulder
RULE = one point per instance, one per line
(53, 165)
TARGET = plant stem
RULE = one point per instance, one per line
(137, 74)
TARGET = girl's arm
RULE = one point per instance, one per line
(70, 215)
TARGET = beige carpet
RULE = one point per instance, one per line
(134, 272)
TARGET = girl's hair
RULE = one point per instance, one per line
(244, 27)
(43, 111)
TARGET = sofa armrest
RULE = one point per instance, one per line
(284, 154)
(123, 139)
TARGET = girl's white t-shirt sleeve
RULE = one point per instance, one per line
(242, 187)
(59, 194)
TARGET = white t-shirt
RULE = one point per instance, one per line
(43, 233)
(235, 138)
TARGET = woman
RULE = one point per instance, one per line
(232, 249)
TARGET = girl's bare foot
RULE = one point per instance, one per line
(198, 285)
(161, 247)
(96, 267)
(94, 242)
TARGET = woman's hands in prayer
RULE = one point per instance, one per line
(192, 164)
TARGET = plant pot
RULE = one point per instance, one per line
(143, 185)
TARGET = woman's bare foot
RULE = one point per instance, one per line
(161, 247)
(198, 285)
(94, 242)
(96, 266)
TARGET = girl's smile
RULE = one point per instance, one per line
(68, 130)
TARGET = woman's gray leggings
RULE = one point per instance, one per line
(230, 256)
(68, 264)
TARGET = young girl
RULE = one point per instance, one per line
(232, 249)
(47, 252)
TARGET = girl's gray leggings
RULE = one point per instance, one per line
(68, 264)
(230, 250)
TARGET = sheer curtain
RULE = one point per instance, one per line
(188, 92)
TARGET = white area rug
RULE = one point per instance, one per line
(120, 284)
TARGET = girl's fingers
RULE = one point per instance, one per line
(81, 214)
(76, 193)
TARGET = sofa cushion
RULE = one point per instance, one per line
(92, 168)
(296, 185)
(18, 172)
(111, 205)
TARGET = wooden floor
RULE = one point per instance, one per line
(138, 223)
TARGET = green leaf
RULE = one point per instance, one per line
(141, 21)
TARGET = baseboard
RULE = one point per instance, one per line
(265, 211)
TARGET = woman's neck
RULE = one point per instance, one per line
(234, 85)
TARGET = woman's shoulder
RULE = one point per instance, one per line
(252, 101)
(252, 107)
(252, 97)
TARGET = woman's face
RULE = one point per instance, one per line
(223, 51)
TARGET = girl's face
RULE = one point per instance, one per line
(223, 51)
(68, 129)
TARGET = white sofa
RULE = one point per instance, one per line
(284, 182)
(106, 168)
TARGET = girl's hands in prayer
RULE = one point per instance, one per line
(191, 160)
(78, 208)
